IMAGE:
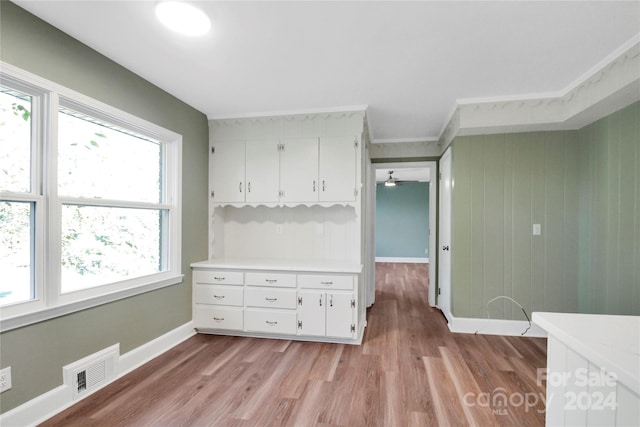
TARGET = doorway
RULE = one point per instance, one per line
(403, 172)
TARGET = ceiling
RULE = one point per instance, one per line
(407, 61)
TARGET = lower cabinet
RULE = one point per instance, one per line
(305, 305)
(326, 314)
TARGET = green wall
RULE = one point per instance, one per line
(610, 214)
(402, 220)
(583, 187)
(502, 185)
(36, 353)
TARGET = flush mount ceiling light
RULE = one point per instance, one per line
(183, 18)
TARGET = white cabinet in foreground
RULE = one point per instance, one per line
(593, 369)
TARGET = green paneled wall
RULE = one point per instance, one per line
(610, 214)
(502, 185)
(402, 220)
(583, 187)
(37, 353)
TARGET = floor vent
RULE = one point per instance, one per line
(91, 372)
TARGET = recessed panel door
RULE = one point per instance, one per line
(299, 170)
(311, 313)
(340, 314)
(337, 176)
(262, 171)
(227, 172)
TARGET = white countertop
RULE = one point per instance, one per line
(610, 342)
(281, 265)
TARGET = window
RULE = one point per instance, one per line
(89, 202)
(17, 208)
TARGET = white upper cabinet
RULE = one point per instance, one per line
(262, 171)
(227, 172)
(288, 171)
(299, 170)
(337, 173)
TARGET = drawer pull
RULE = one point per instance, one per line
(326, 283)
(218, 296)
(218, 319)
(219, 278)
(271, 280)
(271, 323)
(271, 299)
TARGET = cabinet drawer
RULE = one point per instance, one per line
(271, 321)
(271, 298)
(221, 295)
(218, 277)
(318, 281)
(229, 318)
(281, 280)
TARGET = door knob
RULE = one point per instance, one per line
(445, 248)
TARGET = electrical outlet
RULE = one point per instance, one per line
(5, 379)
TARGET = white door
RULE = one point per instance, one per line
(262, 171)
(311, 313)
(444, 250)
(340, 315)
(227, 172)
(337, 169)
(299, 170)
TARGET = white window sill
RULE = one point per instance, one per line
(61, 310)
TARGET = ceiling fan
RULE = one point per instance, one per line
(392, 182)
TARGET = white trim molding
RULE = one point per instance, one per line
(514, 328)
(612, 84)
(45, 406)
(403, 259)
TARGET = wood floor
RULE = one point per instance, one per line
(409, 371)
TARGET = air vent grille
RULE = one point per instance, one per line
(91, 372)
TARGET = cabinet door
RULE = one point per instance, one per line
(311, 313)
(337, 169)
(262, 171)
(340, 315)
(299, 170)
(227, 172)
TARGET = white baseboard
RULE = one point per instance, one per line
(400, 259)
(47, 405)
(516, 328)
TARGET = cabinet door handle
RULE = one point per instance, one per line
(320, 301)
(314, 185)
(271, 323)
(331, 301)
(271, 280)
(218, 319)
(219, 278)
(240, 187)
(218, 296)
(326, 283)
(271, 299)
(323, 185)
(249, 187)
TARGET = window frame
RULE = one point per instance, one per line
(50, 302)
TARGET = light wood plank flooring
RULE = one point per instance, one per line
(409, 371)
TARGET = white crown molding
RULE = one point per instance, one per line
(291, 113)
(403, 140)
(611, 84)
